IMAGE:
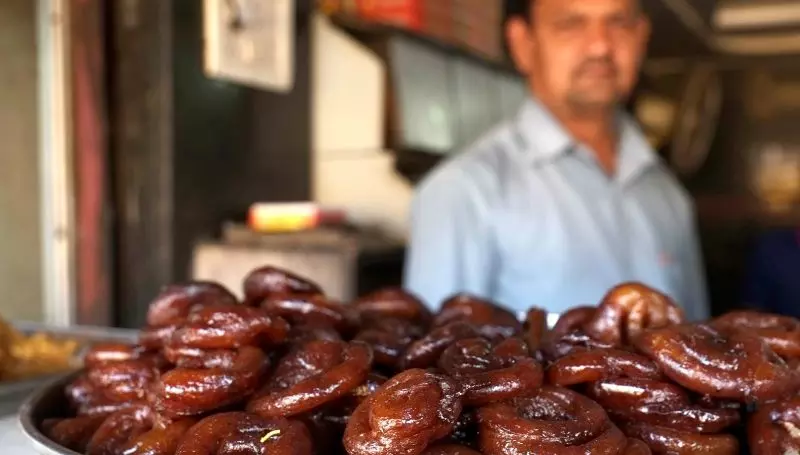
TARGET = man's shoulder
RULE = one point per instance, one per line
(478, 165)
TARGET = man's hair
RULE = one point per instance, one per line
(519, 8)
(523, 9)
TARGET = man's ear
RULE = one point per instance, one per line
(520, 43)
(645, 30)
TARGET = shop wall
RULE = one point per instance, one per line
(351, 167)
(233, 145)
(191, 152)
(20, 273)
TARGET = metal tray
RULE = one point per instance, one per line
(39, 406)
(48, 398)
(12, 393)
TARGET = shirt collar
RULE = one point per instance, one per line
(543, 135)
(545, 138)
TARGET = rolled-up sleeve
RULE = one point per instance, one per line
(450, 247)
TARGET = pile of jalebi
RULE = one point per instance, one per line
(289, 371)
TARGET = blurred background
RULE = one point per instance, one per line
(152, 141)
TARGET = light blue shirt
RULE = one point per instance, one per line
(527, 217)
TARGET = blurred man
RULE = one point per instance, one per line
(568, 199)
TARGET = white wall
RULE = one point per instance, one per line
(20, 274)
(351, 168)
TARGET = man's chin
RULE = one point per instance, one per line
(595, 96)
(594, 103)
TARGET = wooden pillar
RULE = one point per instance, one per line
(142, 149)
(92, 198)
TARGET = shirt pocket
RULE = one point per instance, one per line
(668, 265)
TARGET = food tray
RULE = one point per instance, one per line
(43, 404)
(12, 393)
(48, 400)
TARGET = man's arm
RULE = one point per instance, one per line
(450, 247)
(695, 295)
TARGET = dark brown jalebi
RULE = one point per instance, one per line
(395, 304)
(556, 421)
(338, 412)
(194, 391)
(328, 422)
(572, 320)
(116, 377)
(411, 410)
(240, 433)
(659, 403)
(575, 341)
(104, 353)
(267, 282)
(535, 328)
(627, 310)
(775, 428)
(631, 388)
(311, 310)
(88, 400)
(175, 303)
(299, 385)
(492, 320)
(127, 380)
(581, 367)
(739, 366)
(100, 406)
(74, 433)
(781, 333)
(162, 439)
(449, 449)
(389, 339)
(229, 327)
(118, 429)
(183, 357)
(303, 333)
(637, 447)
(425, 352)
(665, 441)
(489, 374)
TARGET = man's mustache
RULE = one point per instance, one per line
(605, 63)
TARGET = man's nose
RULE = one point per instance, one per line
(599, 41)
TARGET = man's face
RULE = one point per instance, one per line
(582, 53)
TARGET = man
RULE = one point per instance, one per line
(567, 199)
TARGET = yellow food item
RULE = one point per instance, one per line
(6, 334)
(23, 356)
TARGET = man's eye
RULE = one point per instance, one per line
(569, 23)
(622, 21)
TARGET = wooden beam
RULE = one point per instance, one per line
(91, 165)
(142, 150)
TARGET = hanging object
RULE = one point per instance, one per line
(250, 42)
(697, 121)
(776, 177)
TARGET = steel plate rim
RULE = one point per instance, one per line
(39, 440)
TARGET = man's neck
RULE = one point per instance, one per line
(597, 130)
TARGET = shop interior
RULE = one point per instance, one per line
(130, 162)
